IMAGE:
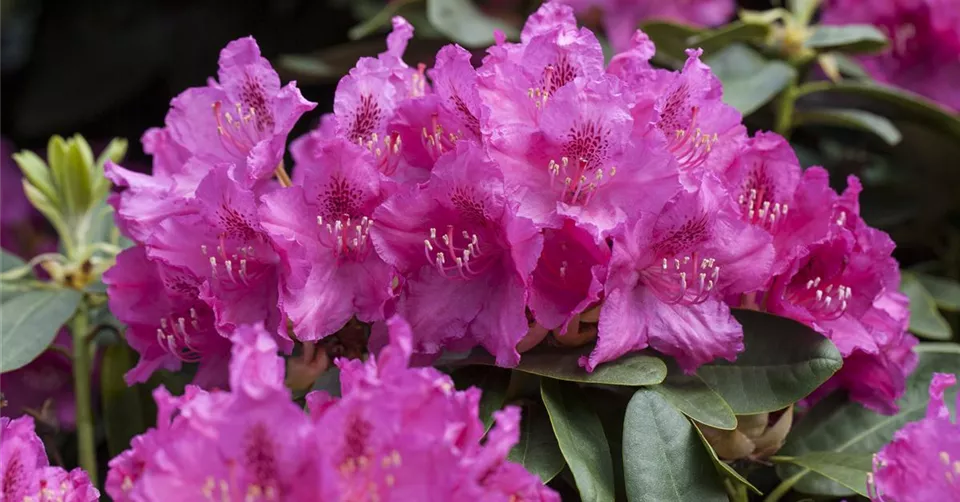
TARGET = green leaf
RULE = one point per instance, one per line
(737, 31)
(670, 39)
(9, 261)
(122, 408)
(464, 23)
(848, 469)
(723, 468)
(945, 292)
(580, 435)
(631, 370)
(29, 323)
(838, 425)
(783, 361)
(329, 382)
(493, 382)
(913, 106)
(849, 38)
(692, 397)
(35, 170)
(78, 183)
(803, 10)
(378, 20)
(663, 458)
(538, 450)
(749, 80)
(882, 127)
(850, 67)
(925, 319)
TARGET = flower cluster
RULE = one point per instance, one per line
(489, 205)
(27, 474)
(397, 434)
(924, 52)
(923, 460)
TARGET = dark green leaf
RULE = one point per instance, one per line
(849, 38)
(911, 105)
(380, 19)
(492, 382)
(839, 425)
(581, 439)
(663, 458)
(737, 31)
(749, 80)
(882, 127)
(690, 395)
(783, 361)
(946, 292)
(537, 451)
(849, 66)
(563, 364)
(724, 468)
(329, 382)
(848, 469)
(9, 261)
(670, 39)
(925, 319)
(330, 64)
(803, 10)
(464, 23)
(29, 323)
(122, 409)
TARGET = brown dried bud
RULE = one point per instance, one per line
(756, 436)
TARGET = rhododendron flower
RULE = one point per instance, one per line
(367, 98)
(241, 120)
(667, 276)
(621, 17)
(223, 244)
(27, 474)
(924, 52)
(321, 230)
(569, 275)
(48, 377)
(466, 255)
(167, 322)
(388, 437)
(923, 461)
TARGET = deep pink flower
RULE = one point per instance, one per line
(167, 322)
(924, 52)
(367, 98)
(922, 463)
(243, 119)
(26, 472)
(621, 17)
(48, 377)
(401, 434)
(466, 255)
(777, 196)
(224, 245)
(569, 275)
(667, 277)
(321, 229)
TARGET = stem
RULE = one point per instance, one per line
(785, 486)
(282, 176)
(785, 111)
(81, 389)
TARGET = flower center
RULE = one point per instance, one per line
(686, 280)
(175, 336)
(240, 267)
(691, 146)
(387, 151)
(436, 141)
(456, 254)
(758, 210)
(826, 299)
(238, 134)
(347, 238)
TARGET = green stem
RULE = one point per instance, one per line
(784, 122)
(81, 389)
(785, 486)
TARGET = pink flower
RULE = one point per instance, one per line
(621, 17)
(667, 275)
(923, 461)
(243, 119)
(924, 52)
(320, 228)
(466, 255)
(569, 275)
(167, 322)
(224, 245)
(48, 377)
(26, 472)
